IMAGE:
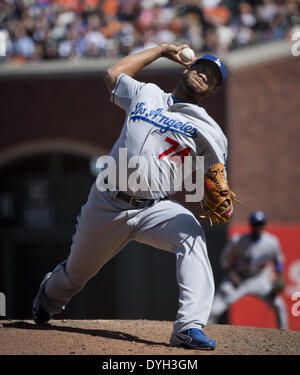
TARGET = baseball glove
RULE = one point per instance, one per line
(217, 201)
(278, 286)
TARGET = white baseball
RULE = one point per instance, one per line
(187, 54)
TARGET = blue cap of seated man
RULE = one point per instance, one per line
(257, 218)
(217, 62)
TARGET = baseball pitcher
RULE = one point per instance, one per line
(245, 259)
(158, 125)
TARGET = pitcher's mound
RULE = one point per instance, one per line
(136, 337)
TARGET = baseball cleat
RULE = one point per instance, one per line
(193, 338)
(39, 314)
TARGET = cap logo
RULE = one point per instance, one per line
(218, 62)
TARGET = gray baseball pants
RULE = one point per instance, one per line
(259, 286)
(106, 224)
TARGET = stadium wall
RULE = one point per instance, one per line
(263, 132)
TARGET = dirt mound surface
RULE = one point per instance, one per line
(136, 337)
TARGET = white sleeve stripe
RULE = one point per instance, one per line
(112, 98)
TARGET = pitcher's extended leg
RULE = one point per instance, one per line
(101, 232)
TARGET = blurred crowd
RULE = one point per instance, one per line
(36, 30)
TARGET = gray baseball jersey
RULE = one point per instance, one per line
(159, 127)
(250, 257)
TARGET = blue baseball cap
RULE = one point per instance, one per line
(257, 217)
(217, 62)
